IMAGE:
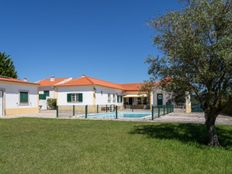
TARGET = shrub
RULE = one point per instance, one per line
(51, 103)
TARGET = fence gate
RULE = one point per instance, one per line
(196, 108)
(159, 99)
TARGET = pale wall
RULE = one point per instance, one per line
(11, 95)
(11, 98)
(166, 96)
(102, 95)
(88, 95)
(51, 89)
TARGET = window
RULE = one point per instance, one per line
(145, 100)
(119, 99)
(114, 98)
(139, 101)
(23, 98)
(75, 98)
(109, 98)
(42, 97)
(47, 93)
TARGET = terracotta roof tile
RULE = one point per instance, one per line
(16, 81)
(132, 86)
(48, 82)
(89, 81)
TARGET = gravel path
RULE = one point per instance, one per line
(181, 117)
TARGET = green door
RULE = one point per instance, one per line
(159, 99)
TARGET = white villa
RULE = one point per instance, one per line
(18, 97)
(91, 91)
(23, 97)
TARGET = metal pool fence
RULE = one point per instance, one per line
(87, 111)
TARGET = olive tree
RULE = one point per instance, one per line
(196, 45)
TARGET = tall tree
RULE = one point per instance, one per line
(197, 54)
(147, 87)
(7, 68)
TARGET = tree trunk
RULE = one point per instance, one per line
(212, 133)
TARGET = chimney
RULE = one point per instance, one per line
(52, 78)
(83, 76)
(25, 79)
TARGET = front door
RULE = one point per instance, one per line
(130, 101)
(1, 103)
(159, 99)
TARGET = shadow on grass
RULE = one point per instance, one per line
(186, 133)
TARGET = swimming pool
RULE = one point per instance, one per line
(112, 115)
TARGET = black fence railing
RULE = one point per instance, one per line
(162, 110)
(112, 111)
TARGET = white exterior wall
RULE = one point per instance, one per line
(102, 96)
(52, 94)
(166, 96)
(52, 91)
(88, 95)
(12, 95)
(87, 92)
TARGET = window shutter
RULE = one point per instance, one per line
(80, 97)
(42, 97)
(46, 93)
(69, 97)
(23, 97)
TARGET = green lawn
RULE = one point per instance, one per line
(97, 147)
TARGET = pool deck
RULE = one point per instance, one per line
(180, 117)
(175, 117)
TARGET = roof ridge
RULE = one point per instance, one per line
(103, 80)
(89, 80)
(131, 83)
(64, 81)
(15, 80)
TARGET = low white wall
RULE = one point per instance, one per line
(12, 95)
(43, 104)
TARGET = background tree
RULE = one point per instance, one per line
(7, 68)
(147, 87)
(197, 47)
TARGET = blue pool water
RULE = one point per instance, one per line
(120, 115)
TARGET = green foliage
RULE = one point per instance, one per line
(228, 109)
(197, 47)
(51, 103)
(147, 88)
(7, 68)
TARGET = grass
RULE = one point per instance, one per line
(98, 147)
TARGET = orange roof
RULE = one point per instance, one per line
(89, 81)
(132, 86)
(16, 81)
(48, 82)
